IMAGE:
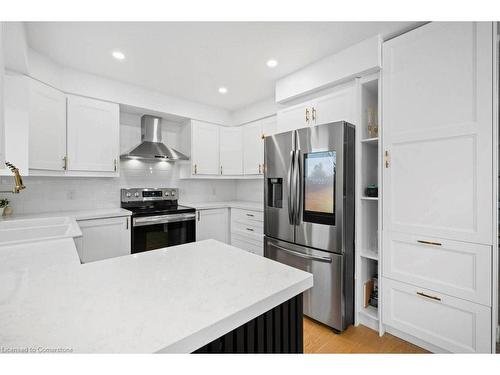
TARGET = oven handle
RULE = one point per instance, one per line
(162, 219)
(302, 255)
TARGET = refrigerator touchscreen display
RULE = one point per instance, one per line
(319, 187)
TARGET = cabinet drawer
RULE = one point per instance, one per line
(456, 268)
(249, 236)
(245, 216)
(250, 227)
(243, 243)
(447, 322)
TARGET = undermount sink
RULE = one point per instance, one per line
(30, 230)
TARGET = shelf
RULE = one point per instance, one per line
(370, 140)
(369, 254)
(370, 311)
(369, 198)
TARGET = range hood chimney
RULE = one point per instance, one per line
(151, 146)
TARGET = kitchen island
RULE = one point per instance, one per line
(199, 297)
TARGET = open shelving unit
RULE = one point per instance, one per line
(368, 209)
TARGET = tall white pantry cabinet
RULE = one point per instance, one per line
(438, 86)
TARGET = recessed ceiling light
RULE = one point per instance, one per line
(222, 90)
(272, 63)
(119, 55)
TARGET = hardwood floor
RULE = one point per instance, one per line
(321, 339)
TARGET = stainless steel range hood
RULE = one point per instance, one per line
(151, 146)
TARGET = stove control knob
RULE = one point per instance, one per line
(136, 194)
(167, 193)
(128, 194)
(173, 193)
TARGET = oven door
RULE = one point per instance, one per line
(156, 232)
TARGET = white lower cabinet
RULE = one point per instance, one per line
(247, 230)
(456, 268)
(103, 238)
(450, 323)
(212, 224)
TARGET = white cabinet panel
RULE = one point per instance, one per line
(456, 268)
(103, 238)
(269, 126)
(47, 127)
(231, 150)
(16, 116)
(253, 148)
(294, 117)
(93, 135)
(2, 129)
(437, 114)
(338, 106)
(205, 148)
(212, 224)
(450, 323)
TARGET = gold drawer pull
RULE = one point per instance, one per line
(250, 229)
(429, 243)
(251, 215)
(428, 296)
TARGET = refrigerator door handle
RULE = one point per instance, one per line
(291, 200)
(298, 194)
(302, 255)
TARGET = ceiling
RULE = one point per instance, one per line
(191, 60)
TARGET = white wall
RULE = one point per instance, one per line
(44, 194)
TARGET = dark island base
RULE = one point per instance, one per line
(279, 330)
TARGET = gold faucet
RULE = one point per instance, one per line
(17, 179)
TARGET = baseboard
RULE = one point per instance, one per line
(412, 339)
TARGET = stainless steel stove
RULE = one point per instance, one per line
(157, 219)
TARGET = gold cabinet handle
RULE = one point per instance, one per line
(195, 169)
(251, 215)
(115, 164)
(249, 229)
(307, 115)
(263, 136)
(386, 158)
(430, 243)
(260, 169)
(422, 294)
(221, 169)
(313, 114)
(198, 215)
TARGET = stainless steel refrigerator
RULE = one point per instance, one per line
(309, 214)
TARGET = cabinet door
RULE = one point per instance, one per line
(16, 112)
(253, 148)
(47, 127)
(2, 138)
(212, 224)
(93, 135)
(294, 117)
(104, 238)
(205, 148)
(269, 127)
(337, 106)
(437, 116)
(231, 150)
(452, 324)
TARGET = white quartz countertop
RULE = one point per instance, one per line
(173, 300)
(77, 215)
(246, 205)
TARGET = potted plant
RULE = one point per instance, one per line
(4, 203)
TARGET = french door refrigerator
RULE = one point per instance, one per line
(309, 214)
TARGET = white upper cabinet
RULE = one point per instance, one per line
(437, 115)
(231, 151)
(2, 138)
(252, 148)
(204, 148)
(47, 127)
(93, 135)
(16, 116)
(253, 144)
(338, 105)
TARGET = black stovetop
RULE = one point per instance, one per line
(155, 208)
